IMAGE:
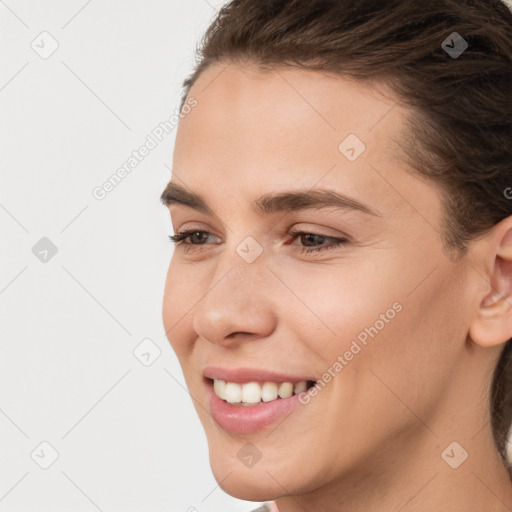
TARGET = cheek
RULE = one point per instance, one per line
(336, 303)
(412, 358)
(382, 315)
(180, 295)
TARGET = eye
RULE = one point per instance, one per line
(179, 238)
(308, 237)
(201, 235)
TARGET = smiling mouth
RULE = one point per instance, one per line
(254, 393)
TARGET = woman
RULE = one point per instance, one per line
(340, 294)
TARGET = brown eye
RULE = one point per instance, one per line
(180, 238)
(310, 237)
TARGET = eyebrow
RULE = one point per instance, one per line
(266, 204)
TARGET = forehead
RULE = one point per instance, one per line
(290, 100)
(277, 128)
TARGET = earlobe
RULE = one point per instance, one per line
(493, 322)
(493, 326)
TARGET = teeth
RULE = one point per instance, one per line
(285, 390)
(269, 391)
(233, 392)
(300, 387)
(220, 388)
(252, 393)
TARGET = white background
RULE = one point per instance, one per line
(127, 435)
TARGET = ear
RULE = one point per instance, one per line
(492, 324)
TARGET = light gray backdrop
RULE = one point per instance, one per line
(93, 412)
(126, 434)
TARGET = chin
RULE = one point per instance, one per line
(249, 485)
(246, 483)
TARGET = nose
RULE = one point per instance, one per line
(237, 305)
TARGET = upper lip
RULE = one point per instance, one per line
(246, 374)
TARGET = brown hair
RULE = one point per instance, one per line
(461, 127)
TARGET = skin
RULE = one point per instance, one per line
(372, 438)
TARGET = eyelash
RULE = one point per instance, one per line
(179, 238)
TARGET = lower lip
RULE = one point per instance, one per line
(240, 419)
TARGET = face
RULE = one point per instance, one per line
(363, 300)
